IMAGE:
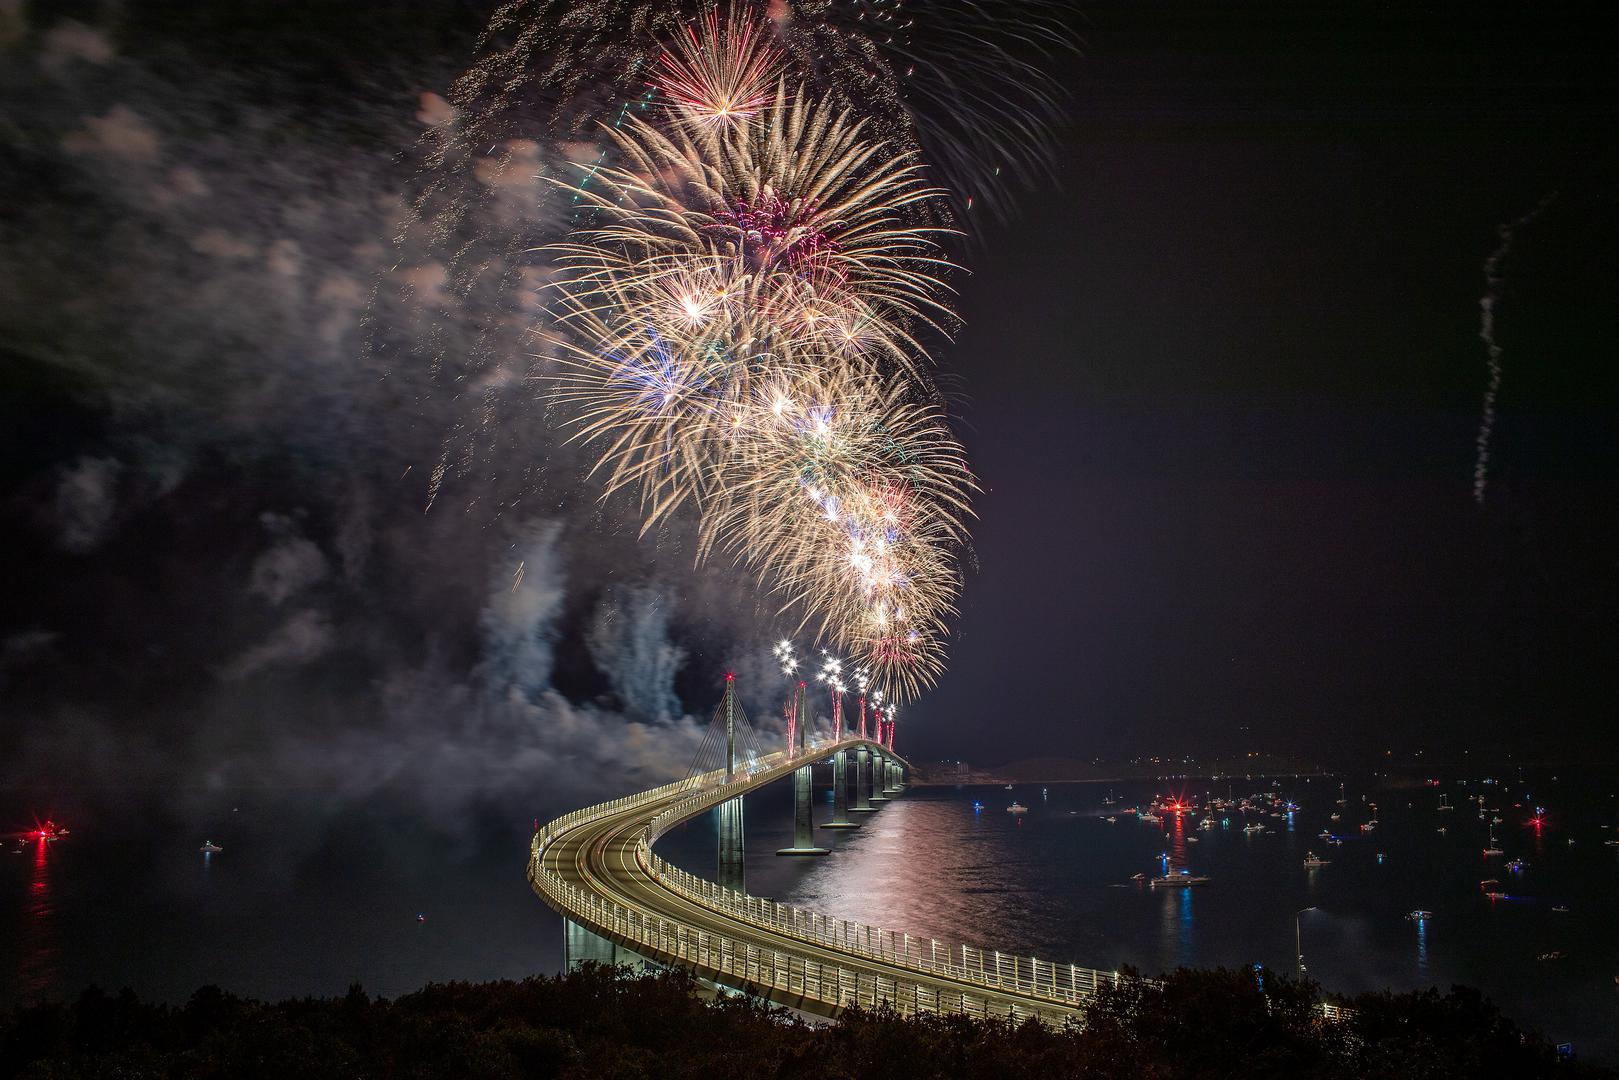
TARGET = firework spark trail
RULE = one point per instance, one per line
(1492, 348)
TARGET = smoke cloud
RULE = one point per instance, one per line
(290, 511)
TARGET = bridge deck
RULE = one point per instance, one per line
(596, 866)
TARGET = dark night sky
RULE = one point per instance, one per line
(1220, 377)
(1224, 386)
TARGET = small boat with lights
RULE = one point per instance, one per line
(1185, 879)
(1419, 915)
(1253, 828)
(1312, 860)
(209, 847)
(1017, 808)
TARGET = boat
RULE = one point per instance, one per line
(1312, 860)
(1494, 848)
(1191, 839)
(1335, 841)
(1324, 834)
(1138, 877)
(1017, 808)
(1149, 816)
(1496, 895)
(1555, 954)
(1008, 787)
(209, 847)
(1255, 827)
(1487, 882)
(1207, 824)
(1419, 915)
(1516, 866)
(1336, 816)
(1561, 909)
(1444, 803)
(1111, 820)
(1184, 879)
(1441, 830)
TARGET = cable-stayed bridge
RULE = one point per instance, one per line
(597, 867)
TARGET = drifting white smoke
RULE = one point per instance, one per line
(242, 352)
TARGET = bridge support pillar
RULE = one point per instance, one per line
(879, 769)
(862, 782)
(894, 786)
(803, 819)
(840, 793)
(732, 860)
(580, 947)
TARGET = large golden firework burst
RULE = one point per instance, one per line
(739, 324)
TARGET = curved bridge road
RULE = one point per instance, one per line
(596, 866)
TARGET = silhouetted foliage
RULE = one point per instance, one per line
(599, 1023)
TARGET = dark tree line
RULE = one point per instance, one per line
(598, 1022)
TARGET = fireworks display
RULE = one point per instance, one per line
(741, 317)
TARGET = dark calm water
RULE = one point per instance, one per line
(305, 901)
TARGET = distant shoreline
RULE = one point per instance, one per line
(979, 781)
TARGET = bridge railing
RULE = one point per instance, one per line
(1067, 984)
(780, 974)
(1053, 991)
(1007, 973)
(1060, 984)
(710, 784)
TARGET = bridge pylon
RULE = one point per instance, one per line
(732, 854)
(803, 782)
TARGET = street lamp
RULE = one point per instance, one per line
(1298, 936)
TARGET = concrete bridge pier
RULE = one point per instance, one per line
(803, 821)
(879, 769)
(862, 782)
(840, 794)
(894, 787)
(580, 947)
(803, 787)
